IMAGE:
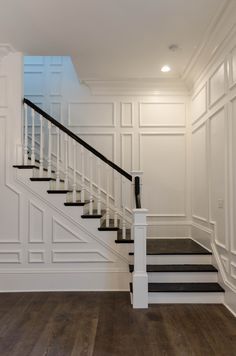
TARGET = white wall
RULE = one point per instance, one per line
(147, 132)
(213, 161)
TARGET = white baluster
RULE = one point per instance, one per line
(26, 136)
(41, 148)
(74, 172)
(33, 138)
(115, 200)
(90, 184)
(107, 198)
(99, 186)
(123, 209)
(82, 196)
(49, 149)
(66, 161)
(58, 160)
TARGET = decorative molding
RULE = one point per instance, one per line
(225, 262)
(36, 256)
(32, 224)
(142, 125)
(212, 102)
(122, 120)
(199, 218)
(74, 239)
(195, 97)
(80, 256)
(10, 256)
(93, 124)
(156, 86)
(233, 270)
(122, 151)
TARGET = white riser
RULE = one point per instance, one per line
(178, 259)
(186, 298)
(175, 277)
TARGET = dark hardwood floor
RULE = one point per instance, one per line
(104, 324)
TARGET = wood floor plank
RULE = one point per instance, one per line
(104, 324)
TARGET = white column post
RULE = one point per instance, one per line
(140, 277)
(49, 149)
(32, 137)
(41, 148)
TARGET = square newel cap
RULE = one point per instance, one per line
(140, 216)
(137, 173)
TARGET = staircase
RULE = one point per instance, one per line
(92, 188)
(180, 271)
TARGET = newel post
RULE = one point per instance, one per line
(140, 277)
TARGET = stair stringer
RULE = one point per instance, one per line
(93, 261)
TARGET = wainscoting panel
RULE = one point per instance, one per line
(199, 104)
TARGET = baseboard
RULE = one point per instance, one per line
(57, 281)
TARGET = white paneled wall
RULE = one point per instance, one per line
(146, 133)
(213, 113)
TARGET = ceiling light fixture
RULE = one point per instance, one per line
(165, 69)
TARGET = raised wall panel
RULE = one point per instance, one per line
(10, 257)
(233, 236)
(55, 110)
(199, 104)
(217, 175)
(127, 151)
(199, 174)
(55, 83)
(225, 262)
(36, 257)
(56, 61)
(34, 60)
(233, 270)
(34, 83)
(102, 142)
(233, 67)
(217, 85)
(79, 256)
(162, 114)
(163, 160)
(126, 114)
(62, 233)
(91, 114)
(36, 223)
(3, 91)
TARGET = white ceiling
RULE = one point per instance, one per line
(110, 39)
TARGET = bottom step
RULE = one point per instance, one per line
(181, 293)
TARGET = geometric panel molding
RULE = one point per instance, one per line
(36, 257)
(233, 270)
(225, 262)
(80, 256)
(63, 234)
(126, 114)
(199, 104)
(36, 223)
(10, 257)
(3, 91)
(91, 114)
(217, 85)
(162, 114)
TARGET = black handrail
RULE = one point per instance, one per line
(76, 138)
(137, 192)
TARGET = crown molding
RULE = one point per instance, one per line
(215, 36)
(158, 86)
(5, 49)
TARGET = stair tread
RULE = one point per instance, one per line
(76, 203)
(91, 216)
(178, 268)
(22, 166)
(123, 241)
(58, 191)
(175, 247)
(184, 287)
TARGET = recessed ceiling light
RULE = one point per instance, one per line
(165, 69)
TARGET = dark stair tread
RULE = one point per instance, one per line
(45, 179)
(77, 203)
(91, 216)
(184, 287)
(124, 241)
(178, 268)
(111, 226)
(22, 166)
(175, 247)
(58, 191)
